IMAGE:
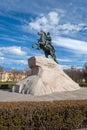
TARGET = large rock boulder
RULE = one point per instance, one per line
(46, 77)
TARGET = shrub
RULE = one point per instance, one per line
(83, 84)
(57, 115)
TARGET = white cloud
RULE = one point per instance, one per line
(24, 6)
(51, 22)
(14, 50)
(24, 62)
(64, 60)
(10, 39)
(7, 61)
(77, 46)
(1, 54)
(68, 27)
(54, 18)
(66, 66)
(1, 58)
(45, 22)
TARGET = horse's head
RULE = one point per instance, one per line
(42, 33)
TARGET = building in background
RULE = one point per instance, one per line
(12, 76)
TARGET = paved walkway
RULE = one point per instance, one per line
(74, 95)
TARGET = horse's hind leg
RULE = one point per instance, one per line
(54, 57)
(46, 55)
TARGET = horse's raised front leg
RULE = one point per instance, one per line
(38, 47)
(33, 45)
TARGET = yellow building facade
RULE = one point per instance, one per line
(10, 76)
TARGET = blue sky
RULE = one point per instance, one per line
(20, 20)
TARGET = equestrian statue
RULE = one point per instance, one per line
(45, 43)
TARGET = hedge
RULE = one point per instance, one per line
(56, 115)
(83, 84)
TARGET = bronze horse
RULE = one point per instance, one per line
(45, 45)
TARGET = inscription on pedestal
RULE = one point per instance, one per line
(50, 65)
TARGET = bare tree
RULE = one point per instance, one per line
(15, 75)
(1, 69)
(85, 72)
(75, 74)
(28, 72)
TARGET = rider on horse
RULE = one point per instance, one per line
(45, 39)
(45, 43)
(49, 41)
